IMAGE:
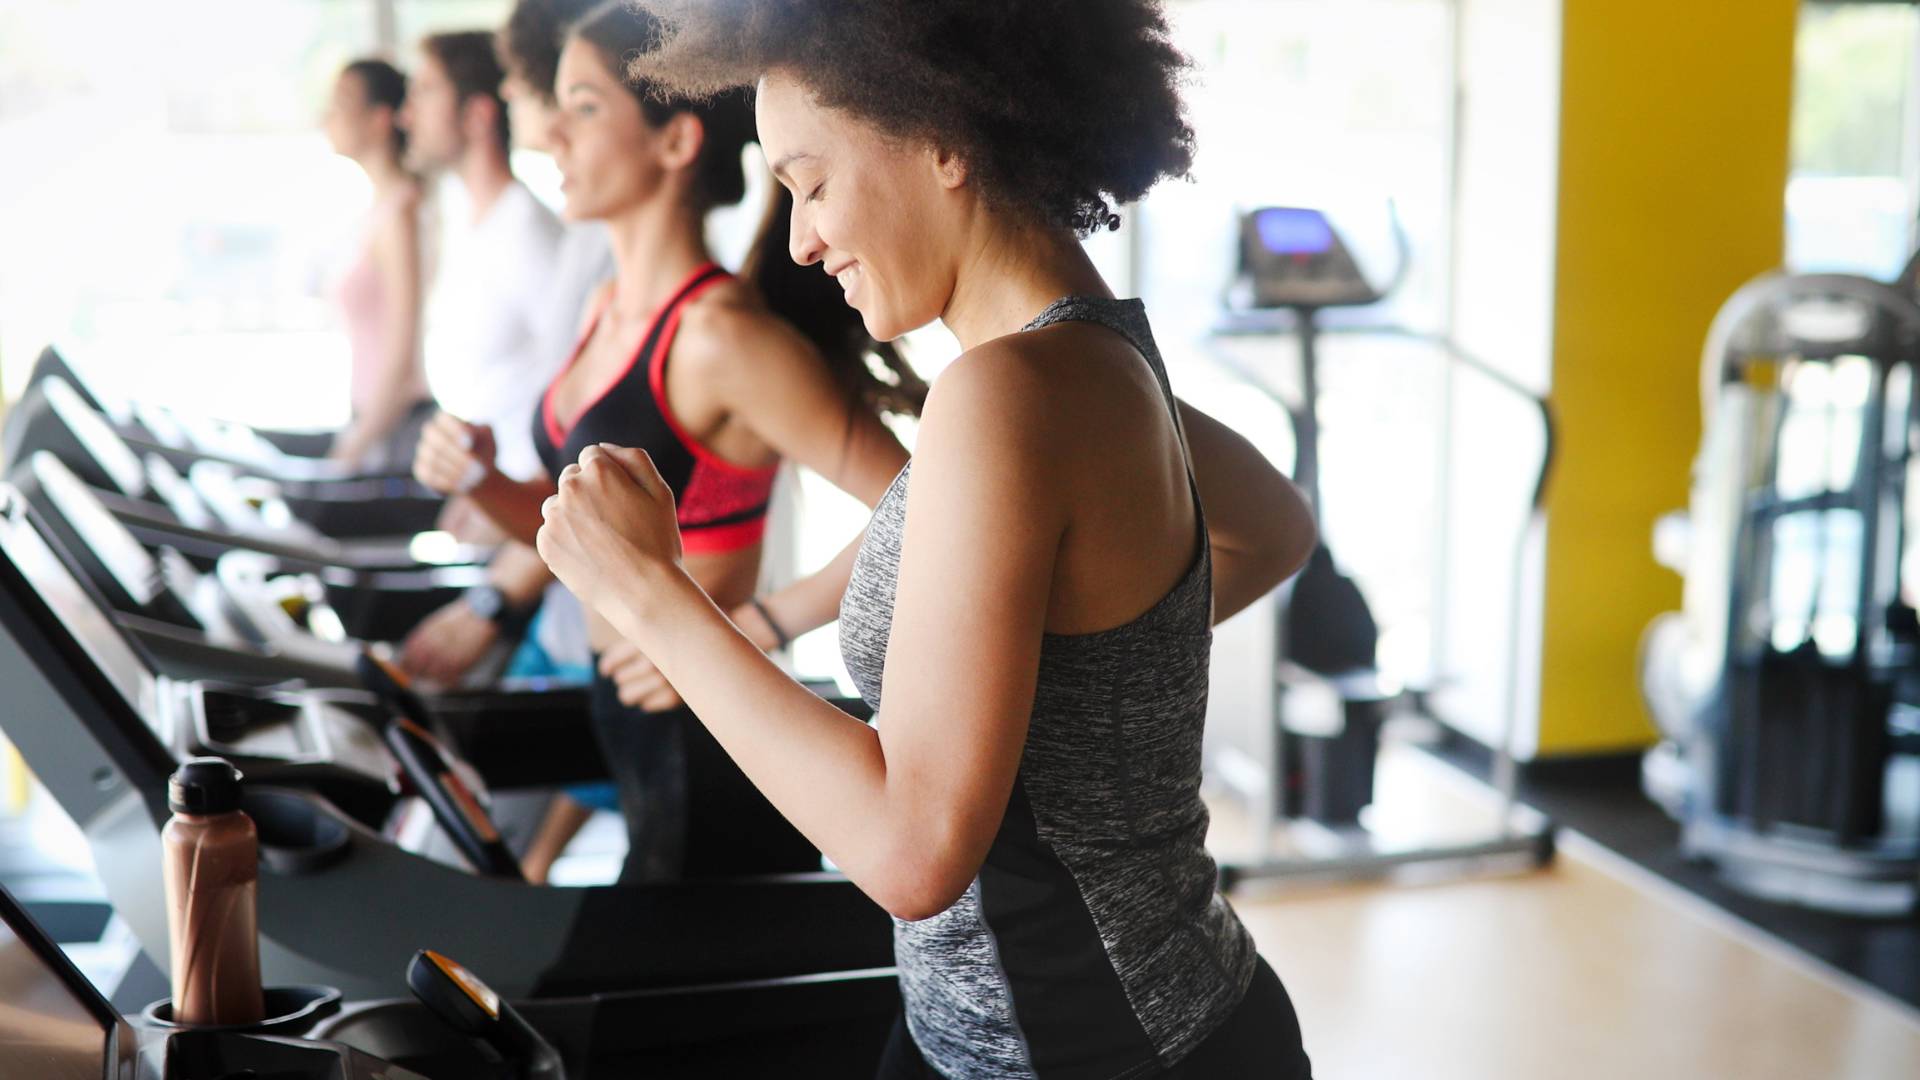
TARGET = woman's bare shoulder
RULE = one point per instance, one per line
(728, 329)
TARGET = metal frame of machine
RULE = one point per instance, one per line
(1780, 736)
(1293, 265)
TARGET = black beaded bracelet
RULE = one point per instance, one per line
(779, 635)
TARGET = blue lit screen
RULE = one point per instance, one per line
(1286, 230)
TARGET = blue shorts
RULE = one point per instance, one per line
(530, 661)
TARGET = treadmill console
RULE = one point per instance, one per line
(108, 451)
(287, 612)
(257, 727)
(302, 729)
(125, 559)
(165, 428)
(178, 495)
(1293, 257)
(247, 505)
(162, 586)
(83, 617)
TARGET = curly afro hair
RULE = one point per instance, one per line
(1060, 108)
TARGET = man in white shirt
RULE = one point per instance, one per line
(451, 644)
(488, 343)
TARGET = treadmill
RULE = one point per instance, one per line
(252, 617)
(55, 1024)
(213, 506)
(184, 438)
(340, 898)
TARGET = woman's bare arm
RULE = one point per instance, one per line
(909, 806)
(456, 458)
(396, 256)
(775, 383)
(1258, 523)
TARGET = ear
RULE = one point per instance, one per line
(949, 168)
(681, 138)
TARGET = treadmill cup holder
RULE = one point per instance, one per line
(297, 835)
(291, 1010)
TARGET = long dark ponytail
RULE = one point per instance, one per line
(808, 299)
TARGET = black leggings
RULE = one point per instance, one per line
(1260, 1041)
(690, 811)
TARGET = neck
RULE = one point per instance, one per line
(384, 170)
(655, 246)
(1008, 272)
(483, 172)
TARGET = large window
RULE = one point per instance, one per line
(167, 200)
(1856, 138)
(1346, 106)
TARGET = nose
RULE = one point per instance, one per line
(803, 243)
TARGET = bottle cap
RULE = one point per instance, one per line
(206, 785)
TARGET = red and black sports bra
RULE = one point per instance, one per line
(722, 506)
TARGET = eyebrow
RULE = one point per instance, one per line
(587, 87)
(780, 167)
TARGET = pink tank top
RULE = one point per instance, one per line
(368, 310)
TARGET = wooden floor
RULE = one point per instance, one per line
(1590, 969)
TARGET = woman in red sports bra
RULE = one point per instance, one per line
(716, 379)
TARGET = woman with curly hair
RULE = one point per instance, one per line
(1036, 590)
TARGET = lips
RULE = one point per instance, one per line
(847, 274)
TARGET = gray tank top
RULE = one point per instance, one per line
(1093, 942)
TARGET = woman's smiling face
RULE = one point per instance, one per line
(878, 214)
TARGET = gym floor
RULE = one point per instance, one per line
(1601, 798)
(1595, 967)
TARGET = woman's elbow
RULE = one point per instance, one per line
(920, 884)
(916, 906)
(1287, 533)
(1296, 535)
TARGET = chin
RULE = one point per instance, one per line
(578, 210)
(880, 327)
(885, 325)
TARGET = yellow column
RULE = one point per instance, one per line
(1673, 169)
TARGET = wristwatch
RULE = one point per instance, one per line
(488, 602)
